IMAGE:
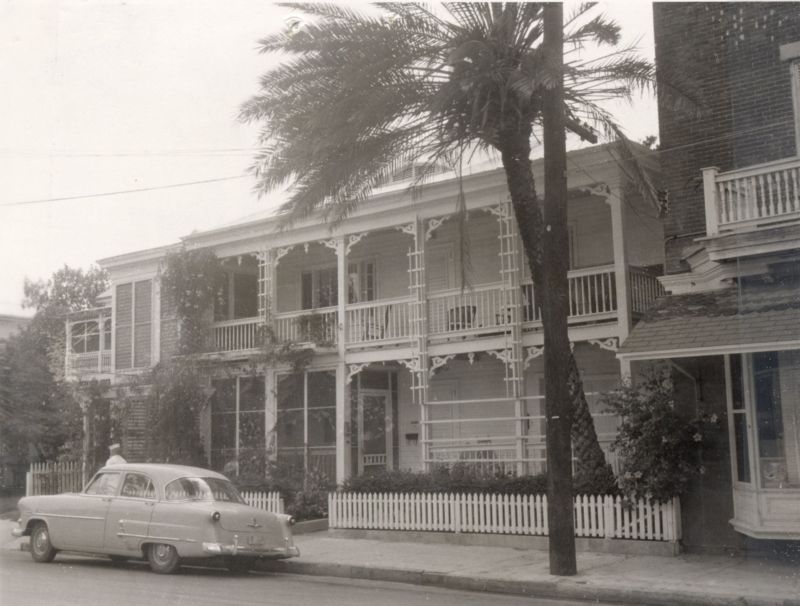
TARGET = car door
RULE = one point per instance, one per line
(129, 513)
(83, 517)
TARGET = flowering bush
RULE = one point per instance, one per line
(660, 449)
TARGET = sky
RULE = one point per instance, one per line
(104, 96)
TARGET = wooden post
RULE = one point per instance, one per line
(555, 307)
(710, 196)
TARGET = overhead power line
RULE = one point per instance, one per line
(121, 192)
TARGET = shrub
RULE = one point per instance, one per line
(660, 448)
(459, 478)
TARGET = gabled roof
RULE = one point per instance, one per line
(759, 317)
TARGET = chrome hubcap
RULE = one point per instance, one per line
(40, 541)
(162, 552)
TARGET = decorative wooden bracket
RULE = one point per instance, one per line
(531, 353)
(610, 344)
(354, 369)
(439, 361)
(352, 240)
(434, 224)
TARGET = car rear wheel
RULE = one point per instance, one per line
(163, 558)
(239, 565)
(42, 549)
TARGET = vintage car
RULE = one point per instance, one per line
(164, 513)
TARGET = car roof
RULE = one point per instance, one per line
(165, 472)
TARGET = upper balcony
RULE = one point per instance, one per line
(476, 312)
(752, 210)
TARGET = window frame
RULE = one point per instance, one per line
(150, 484)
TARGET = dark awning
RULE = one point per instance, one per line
(762, 317)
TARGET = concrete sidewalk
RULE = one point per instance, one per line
(612, 578)
(685, 579)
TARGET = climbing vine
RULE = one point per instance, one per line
(191, 282)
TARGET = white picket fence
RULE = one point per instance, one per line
(268, 501)
(595, 516)
(53, 477)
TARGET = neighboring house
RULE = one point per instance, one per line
(9, 325)
(410, 368)
(731, 325)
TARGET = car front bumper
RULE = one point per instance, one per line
(235, 549)
(18, 532)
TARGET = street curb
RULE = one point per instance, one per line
(559, 588)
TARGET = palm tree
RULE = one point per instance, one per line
(361, 94)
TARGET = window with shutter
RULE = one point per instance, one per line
(134, 324)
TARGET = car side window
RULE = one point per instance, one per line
(138, 486)
(104, 484)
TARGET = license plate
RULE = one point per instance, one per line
(255, 540)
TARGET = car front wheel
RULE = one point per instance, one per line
(163, 558)
(42, 549)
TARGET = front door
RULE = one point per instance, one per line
(375, 430)
(129, 513)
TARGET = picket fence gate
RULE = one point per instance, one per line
(595, 516)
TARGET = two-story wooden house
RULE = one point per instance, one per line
(412, 366)
(731, 327)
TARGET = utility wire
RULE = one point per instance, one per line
(122, 191)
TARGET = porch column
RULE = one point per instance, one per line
(271, 413)
(622, 279)
(342, 399)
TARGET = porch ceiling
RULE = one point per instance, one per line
(751, 318)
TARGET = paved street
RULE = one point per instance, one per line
(96, 582)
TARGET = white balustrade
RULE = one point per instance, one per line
(237, 335)
(755, 195)
(310, 325)
(385, 321)
(645, 288)
(89, 362)
(595, 516)
(471, 310)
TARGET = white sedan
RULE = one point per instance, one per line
(164, 513)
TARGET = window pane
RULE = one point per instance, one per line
(290, 391)
(737, 391)
(224, 397)
(321, 389)
(306, 290)
(104, 484)
(775, 387)
(322, 427)
(251, 430)
(245, 303)
(742, 453)
(223, 430)
(138, 486)
(290, 428)
(327, 286)
(251, 394)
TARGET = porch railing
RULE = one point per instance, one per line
(385, 321)
(236, 335)
(315, 326)
(764, 193)
(89, 362)
(595, 516)
(645, 288)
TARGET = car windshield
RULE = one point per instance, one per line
(202, 489)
